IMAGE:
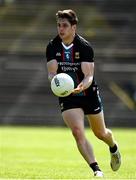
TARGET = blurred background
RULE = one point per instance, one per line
(26, 26)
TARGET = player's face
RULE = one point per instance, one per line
(65, 29)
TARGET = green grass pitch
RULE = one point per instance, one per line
(51, 153)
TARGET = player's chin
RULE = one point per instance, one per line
(62, 36)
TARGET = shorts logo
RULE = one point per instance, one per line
(97, 109)
(77, 55)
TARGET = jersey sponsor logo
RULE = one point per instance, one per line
(77, 56)
(65, 69)
(69, 66)
(69, 63)
(58, 54)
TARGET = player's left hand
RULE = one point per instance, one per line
(78, 89)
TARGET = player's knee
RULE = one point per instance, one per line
(102, 135)
(78, 134)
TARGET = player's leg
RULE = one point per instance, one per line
(74, 119)
(98, 126)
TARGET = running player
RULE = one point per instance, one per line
(72, 54)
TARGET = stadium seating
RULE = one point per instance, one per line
(25, 29)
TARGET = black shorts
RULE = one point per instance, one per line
(90, 104)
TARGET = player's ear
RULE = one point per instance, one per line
(74, 27)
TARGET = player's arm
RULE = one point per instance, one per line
(52, 67)
(88, 71)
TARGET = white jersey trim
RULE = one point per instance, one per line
(67, 47)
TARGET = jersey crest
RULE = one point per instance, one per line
(77, 55)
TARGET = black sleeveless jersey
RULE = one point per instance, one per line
(69, 59)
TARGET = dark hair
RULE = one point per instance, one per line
(69, 14)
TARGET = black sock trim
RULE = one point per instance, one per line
(113, 149)
(95, 166)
